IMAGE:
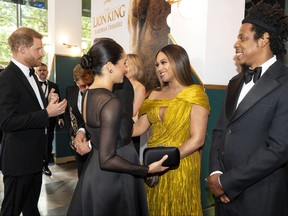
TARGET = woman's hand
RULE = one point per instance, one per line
(157, 167)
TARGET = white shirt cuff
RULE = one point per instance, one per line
(81, 129)
(89, 144)
(217, 172)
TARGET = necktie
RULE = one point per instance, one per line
(32, 71)
(249, 73)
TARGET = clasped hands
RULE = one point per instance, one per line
(80, 143)
(215, 187)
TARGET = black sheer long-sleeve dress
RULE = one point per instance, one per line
(112, 179)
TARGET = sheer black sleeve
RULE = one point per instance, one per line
(110, 120)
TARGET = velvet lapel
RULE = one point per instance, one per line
(266, 84)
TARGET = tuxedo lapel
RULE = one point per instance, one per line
(25, 81)
(75, 95)
(40, 90)
(266, 84)
(233, 94)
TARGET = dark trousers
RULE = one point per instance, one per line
(21, 194)
(49, 147)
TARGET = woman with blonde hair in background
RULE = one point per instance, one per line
(134, 74)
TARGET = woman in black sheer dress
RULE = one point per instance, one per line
(111, 182)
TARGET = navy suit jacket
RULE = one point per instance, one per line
(250, 145)
(23, 122)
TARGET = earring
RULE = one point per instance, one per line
(111, 71)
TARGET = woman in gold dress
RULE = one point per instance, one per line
(178, 115)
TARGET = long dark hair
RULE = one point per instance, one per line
(104, 50)
(180, 63)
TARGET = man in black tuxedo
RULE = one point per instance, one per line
(24, 121)
(83, 78)
(46, 85)
(249, 150)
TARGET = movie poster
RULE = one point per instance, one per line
(137, 25)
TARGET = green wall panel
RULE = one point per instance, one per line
(62, 74)
(216, 98)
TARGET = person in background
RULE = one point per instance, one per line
(1, 133)
(46, 85)
(134, 73)
(24, 121)
(111, 182)
(83, 78)
(249, 151)
(177, 114)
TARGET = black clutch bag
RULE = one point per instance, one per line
(152, 154)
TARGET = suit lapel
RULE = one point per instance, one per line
(233, 94)
(40, 90)
(266, 84)
(25, 81)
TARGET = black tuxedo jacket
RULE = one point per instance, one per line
(250, 145)
(72, 93)
(23, 123)
(53, 120)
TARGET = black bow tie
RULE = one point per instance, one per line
(32, 71)
(248, 74)
(43, 82)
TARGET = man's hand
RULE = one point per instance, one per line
(52, 96)
(215, 187)
(79, 138)
(80, 143)
(82, 148)
(54, 108)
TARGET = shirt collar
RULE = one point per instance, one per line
(267, 64)
(22, 67)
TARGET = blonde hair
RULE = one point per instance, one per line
(136, 66)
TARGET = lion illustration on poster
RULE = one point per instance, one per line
(148, 33)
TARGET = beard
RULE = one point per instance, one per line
(32, 61)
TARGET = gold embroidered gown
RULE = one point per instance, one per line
(178, 191)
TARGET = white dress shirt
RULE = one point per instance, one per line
(31, 80)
